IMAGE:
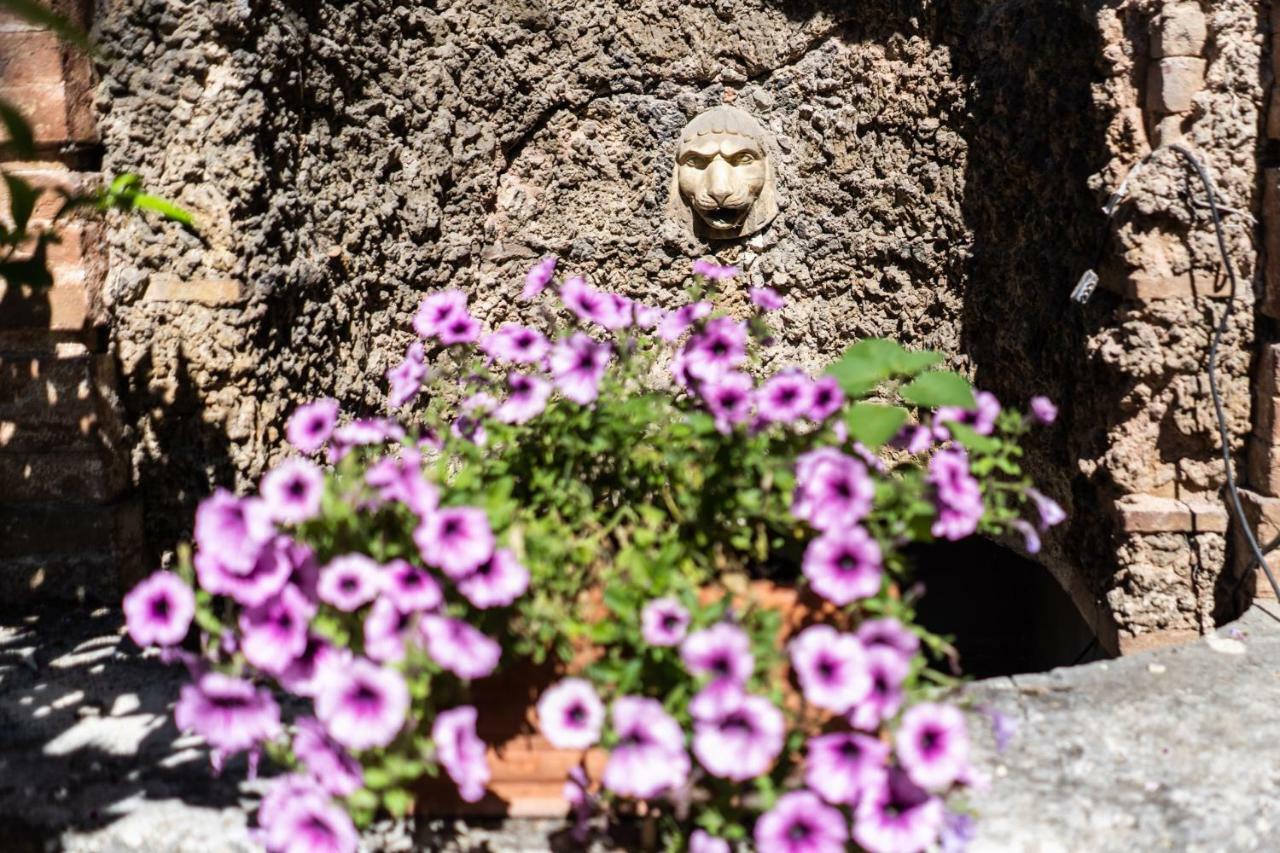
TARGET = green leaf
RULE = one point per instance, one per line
(397, 801)
(939, 388)
(22, 201)
(375, 778)
(873, 360)
(971, 439)
(34, 12)
(165, 208)
(873, 424)
(21, 138)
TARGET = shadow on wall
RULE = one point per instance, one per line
(161, 400)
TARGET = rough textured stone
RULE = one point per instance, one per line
(1172, 750)
(1180, 30)
(345, 158)
(1173, 83)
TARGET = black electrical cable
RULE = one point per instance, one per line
(1219, 330)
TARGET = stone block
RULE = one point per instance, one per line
(1151, 514)
(1262, 466)
(1173, 82)
(49, 178)
(1180, 30)
(30, 57)
(1168, 130)
(81, 476)
(1207, 516)
(63, 307)
(1263, 515)
(166, 287)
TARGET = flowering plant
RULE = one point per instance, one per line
(601, 500)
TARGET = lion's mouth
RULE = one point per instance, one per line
(724, 217)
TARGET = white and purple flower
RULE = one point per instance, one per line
(722, 652)
(933, 745)
(843, 766)
(350, 581)
(461, 752)
(833, 489)
(456, 540)
(897, 816)
(649, 757)
(570, 714)
(229, 713)
(741, 736)
(363, 705)
(311, 425)
(785, 397)
(293, 490)
(664, 622)
(274, 633)
(578, 363)
(538, 277)
(843, 565)
(831, 668)
(800, 822)
(458, 647)
(497, 582)
(159, 610)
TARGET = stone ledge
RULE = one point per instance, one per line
(1153, 514)
(166, 287)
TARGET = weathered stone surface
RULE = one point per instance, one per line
(1180, 30)
(1172, 750)
(1173, 83)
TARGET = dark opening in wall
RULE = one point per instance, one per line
(1006, 613)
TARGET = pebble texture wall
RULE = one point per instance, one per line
(941, 166)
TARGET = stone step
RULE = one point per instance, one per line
(87, 576)
(49, 402)
(49, 342)
(60, 476)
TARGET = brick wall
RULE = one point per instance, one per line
(67, 529)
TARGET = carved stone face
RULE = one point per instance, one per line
(723, 184)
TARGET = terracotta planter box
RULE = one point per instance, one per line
(528, 773)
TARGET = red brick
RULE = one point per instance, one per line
(63, 307)
(50, 109)
(30, 57)
(50, 178)
(165, 287)
(1151, 514)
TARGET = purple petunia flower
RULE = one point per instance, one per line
(702, 841)
(318, 661)
(714, 271)
(722, 651)
(785, 396)
(349, 582)
(766, 299)
(800, 822)
(461, 752)
(159, 610)
(596, 306)
(827, 399)
(570, 714)
(384, 630)
(577, 365)
(1047, 508)
(649, 757)
(843, 565)
(409, 588)
(538, 277)
(958, 831)
(457, 540)
(888, 670)
(402, 481)
(463, 329)
(842, 767)
(956, 493)
(897, 816)
(406, 377)
(516, 344)
(915, 439)
(292, 491)
(831, 668)
(311, 425)
(362, 432)
(675, 323)
(664, 622)
(437, 311)
(266, 576)
(1003, 727)
(891, 633)
(729, 398)
(233, 530)
(933, 745)
(740, 738)
(497, 582)
(1043, 410)
(981, 418)
(648, 316)
(363, 705)
(833, 490)
(325, 759)
(1030, 536)
(720, 346)
(297, 817)
(230, 714)
(458, 647)
(275, 632)
(526, 400)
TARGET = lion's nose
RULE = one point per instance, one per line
(719, 181)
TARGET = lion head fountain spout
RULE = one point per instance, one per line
(723, 186)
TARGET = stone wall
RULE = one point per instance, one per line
(68, 528)
(942, 167)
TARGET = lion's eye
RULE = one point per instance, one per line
(695, 160)
(744, 159)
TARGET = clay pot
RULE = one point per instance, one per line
(528, 773)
